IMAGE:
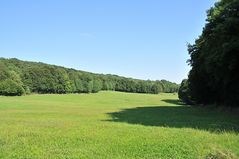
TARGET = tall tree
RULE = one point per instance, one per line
(214, 77)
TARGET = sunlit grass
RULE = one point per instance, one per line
(113, 125)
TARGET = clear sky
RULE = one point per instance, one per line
(143, 39)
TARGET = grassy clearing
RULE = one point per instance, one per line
(113, 125)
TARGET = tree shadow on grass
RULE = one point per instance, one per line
(179, 116)
(173, 101)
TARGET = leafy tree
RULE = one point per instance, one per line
(89, 87)
(97, 86)
(184, 92)
(155, 89)
(214, 76)
(9, 87)
(44, 78)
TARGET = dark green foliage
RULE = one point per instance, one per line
(156, 88)
(214, 78)
(43, 78)
(184, 92)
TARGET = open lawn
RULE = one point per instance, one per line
(113, 125)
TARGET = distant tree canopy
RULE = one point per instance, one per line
(20, 77)
(214, 77)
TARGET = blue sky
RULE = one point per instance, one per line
(143, 39)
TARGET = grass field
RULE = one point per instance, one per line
(113, 125)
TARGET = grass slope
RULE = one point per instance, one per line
(113, 125)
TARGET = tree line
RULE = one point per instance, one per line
(21, 77)
(214, 77)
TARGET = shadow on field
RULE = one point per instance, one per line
(173, 101)
(179, 116)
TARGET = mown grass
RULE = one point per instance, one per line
(114, 125)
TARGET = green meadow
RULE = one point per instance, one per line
(112, 125)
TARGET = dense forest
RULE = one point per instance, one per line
(21, 77)
(214, 77)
